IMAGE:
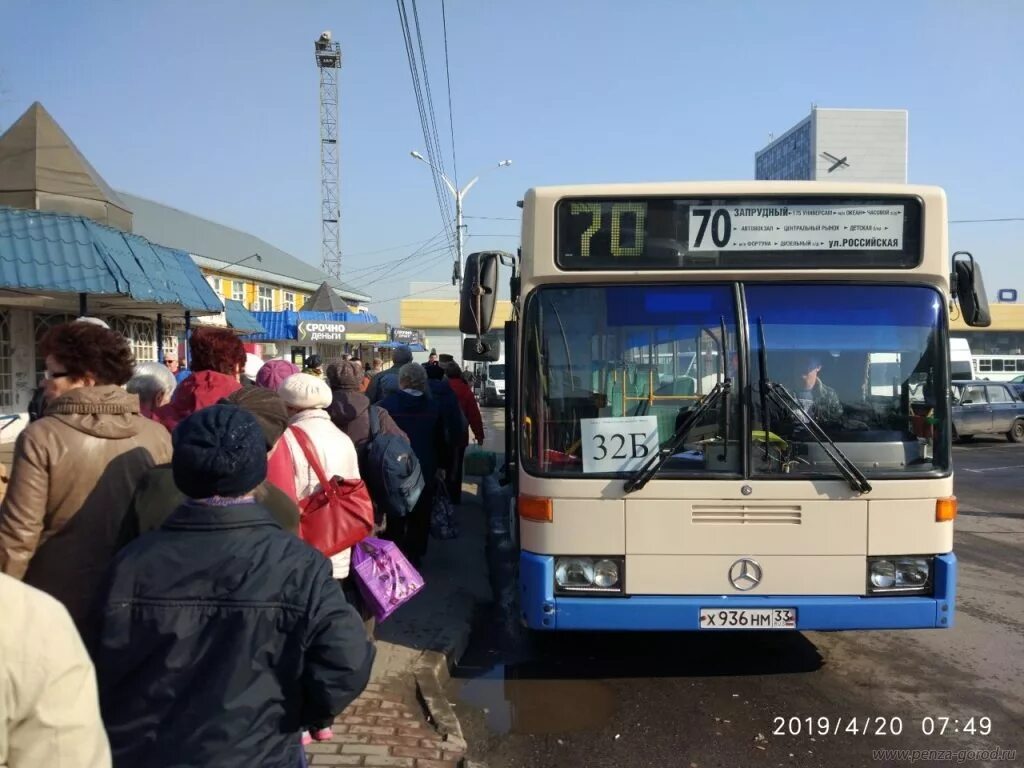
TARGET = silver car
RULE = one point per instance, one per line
(987, 407)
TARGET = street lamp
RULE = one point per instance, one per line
(459, 195)
(242, 261)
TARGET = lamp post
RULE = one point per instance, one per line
(459, 195)
(242, 261)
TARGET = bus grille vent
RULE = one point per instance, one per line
(746, 515)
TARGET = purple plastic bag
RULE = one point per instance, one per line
(385, 577)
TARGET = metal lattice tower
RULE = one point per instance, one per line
(328, 61)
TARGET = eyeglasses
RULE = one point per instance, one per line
(50, 375)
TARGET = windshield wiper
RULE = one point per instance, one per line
(844, 464)
(642, 476)
(780, 395)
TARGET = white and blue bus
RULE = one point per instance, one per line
(728, 404)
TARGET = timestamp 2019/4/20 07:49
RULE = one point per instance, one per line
(878, 725)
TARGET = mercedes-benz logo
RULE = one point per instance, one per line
(745, 574)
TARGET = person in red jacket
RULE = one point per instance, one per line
(470, 409)
(218, 359)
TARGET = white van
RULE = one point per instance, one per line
(490, 382)
(960, 360)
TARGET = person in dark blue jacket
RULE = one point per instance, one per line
(418, 415)
(222, 635)
(453, 419)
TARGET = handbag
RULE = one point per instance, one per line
(386, 579)
(478, 462)
(443, 524)
(339, 514)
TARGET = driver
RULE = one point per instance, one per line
(814, 396)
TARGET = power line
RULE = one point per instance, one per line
(414, 293)
(448, 78)
(393, 269)
(394, 247)
(380, 273)
(493, 218)
(439, 191)
(984, 221)
(400, 260)
(435, 153)
(391, 274)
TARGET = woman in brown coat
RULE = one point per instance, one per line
(75, 470)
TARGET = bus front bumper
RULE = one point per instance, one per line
(542, 610)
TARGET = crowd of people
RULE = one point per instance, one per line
(160, 606)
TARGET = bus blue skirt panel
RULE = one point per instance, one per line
(543, 610)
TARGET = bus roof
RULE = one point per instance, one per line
(931, 194)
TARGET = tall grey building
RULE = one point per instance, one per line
(839, 145)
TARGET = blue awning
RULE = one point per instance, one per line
(52, 252)
(280, 326)
(240, 318)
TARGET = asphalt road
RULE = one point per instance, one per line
(622, 699)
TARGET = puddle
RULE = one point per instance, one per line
(538, 706)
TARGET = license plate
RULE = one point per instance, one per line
(748, 618)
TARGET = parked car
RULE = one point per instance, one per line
(987, 407)
(1017, 385)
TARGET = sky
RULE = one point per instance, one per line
(212, 107)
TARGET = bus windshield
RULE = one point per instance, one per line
(615, 352)
(863, 362)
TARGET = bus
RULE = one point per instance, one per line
(961, 365)
(728, 404)
(997, 367)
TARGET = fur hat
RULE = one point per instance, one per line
(305, 392)
(266, 406)
(348, 374)
(219, 451)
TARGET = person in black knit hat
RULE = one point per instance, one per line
(224, 610)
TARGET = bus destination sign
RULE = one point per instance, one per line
(748, 233)
(796, 227)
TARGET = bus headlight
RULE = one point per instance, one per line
(601, 575)
(903, 575)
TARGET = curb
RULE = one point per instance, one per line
(434, 668)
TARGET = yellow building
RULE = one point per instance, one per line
(1004, 337)
(439, 321)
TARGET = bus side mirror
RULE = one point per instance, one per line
(968, 289)
(479, 292)
(478, 350)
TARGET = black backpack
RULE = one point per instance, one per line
(390, 470)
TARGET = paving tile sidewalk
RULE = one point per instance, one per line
(387, 726)
(402, 720)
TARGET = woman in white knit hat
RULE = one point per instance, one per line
(306, 398)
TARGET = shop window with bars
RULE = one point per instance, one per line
(6, 372)
(41, 324)
(141, 335)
